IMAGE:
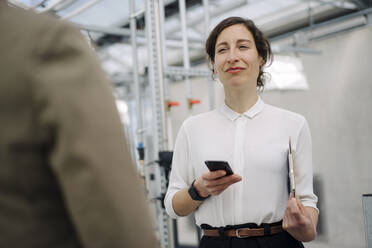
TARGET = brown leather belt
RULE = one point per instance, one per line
(243, 232)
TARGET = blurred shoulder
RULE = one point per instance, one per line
(24, 20)
(30, 29)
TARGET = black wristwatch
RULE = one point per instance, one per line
(194, 193)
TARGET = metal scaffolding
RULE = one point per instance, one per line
(186, 59)
(157, 188)
(159, 138)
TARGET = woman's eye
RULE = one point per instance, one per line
(243, 47)
(221, 50)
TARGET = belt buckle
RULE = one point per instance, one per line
(238, 235)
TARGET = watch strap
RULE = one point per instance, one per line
(194, 194)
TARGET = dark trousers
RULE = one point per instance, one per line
(279, 240)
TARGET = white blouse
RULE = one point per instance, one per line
(255, 144)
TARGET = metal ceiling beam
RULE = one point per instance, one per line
(361, 3)
(225, 8)
(339, 4)
(140, 33)
(298, 16)
(295, 49)
(108, 30)
(50, 6)
(63, 5)
(332, 26)
(18, 4)
(79, 10)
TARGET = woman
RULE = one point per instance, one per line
(251, 207)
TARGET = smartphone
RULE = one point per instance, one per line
(214, 165)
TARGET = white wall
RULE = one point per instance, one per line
(338, 109)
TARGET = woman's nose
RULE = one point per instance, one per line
(232, 57)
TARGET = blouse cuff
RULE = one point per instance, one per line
(310, 204)
(169, 206)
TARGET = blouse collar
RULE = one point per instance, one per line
(250, 113)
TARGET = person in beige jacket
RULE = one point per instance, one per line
(67, 178)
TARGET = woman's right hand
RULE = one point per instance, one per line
(215, 182)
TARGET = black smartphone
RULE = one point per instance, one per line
(214, 165)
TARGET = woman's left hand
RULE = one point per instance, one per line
(300, 221)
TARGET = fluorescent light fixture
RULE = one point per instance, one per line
(286, 73)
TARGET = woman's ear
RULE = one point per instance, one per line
(261, 61)
(214, 69)
(214, 72)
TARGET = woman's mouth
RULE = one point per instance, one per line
(234, 70)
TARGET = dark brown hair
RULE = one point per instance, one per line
(262, 44)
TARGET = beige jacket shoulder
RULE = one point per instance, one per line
(67, 178)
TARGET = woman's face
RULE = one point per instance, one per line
(236, 60)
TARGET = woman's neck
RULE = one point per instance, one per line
(240, 100)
